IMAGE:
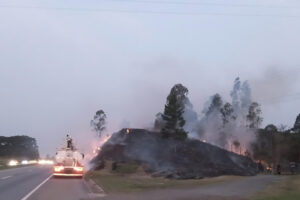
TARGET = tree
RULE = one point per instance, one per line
(262, 147)
(173, 113)
(241, 99)
(236, 145)
(19, 147)
(98, 122)
(227, 112)
(282, 128)
(245, 95)
(297, 124)
(213, 121)
(215, 106)
(235, 94)
(253, 117)
(271, 128)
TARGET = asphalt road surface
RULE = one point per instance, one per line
(37, 183)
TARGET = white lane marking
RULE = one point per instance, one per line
(36, 188)
(6, 177)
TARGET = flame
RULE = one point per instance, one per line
(241, 150)
(96, 145)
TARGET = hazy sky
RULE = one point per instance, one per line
(62, 60)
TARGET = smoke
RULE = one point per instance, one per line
(275, 84)
(190, 116)
(125, 124)
(241, 96)
(222, 123)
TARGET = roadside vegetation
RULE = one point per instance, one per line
(18, 147)
(2, 164)
(274, 149)
(130, 178)
(287, 189)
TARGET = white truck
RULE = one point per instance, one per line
(68, 161)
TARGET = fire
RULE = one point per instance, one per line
(241, 150)
(96, 145)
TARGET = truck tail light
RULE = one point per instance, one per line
(78, 169)
(58, 168)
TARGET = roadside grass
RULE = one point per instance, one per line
(12, 167)
(287, 189)
(3, 164)
(131, 178)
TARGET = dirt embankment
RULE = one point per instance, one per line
(189, 159)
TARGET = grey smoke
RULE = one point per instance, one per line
(191, 117)
(223, 123)
(125, 124)
(275, 84)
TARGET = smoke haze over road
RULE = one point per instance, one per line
(57, 67)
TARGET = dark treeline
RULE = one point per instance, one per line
(18, 147)
(277, 145)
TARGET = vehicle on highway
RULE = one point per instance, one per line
(68, 161)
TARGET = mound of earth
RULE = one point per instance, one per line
(173, 159)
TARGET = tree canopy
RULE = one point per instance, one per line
(98, 122)
(173, 113)
(22, 147)
(297, 124)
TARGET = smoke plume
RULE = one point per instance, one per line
(222, 123)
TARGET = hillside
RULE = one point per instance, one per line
(172, 159)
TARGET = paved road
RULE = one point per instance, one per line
(62, 188)
(16, 183)
(36, 183)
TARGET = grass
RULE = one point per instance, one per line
(131, 178)
(3, 164)
(287, 189)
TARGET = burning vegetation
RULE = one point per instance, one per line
(222, 140)
(171, 158)
(227, 125)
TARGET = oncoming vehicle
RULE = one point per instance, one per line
(68, 161)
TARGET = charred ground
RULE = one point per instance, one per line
(172, 158)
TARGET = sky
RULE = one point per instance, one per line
(61, 61)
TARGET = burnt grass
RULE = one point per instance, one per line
(189, 159)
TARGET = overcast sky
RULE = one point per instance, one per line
(60, 61)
